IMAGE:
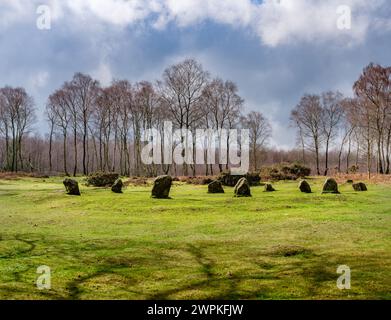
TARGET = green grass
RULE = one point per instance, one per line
(282, 245)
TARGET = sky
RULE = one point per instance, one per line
(275, 50)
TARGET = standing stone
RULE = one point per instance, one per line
(72, 187)
(215, 187)
(305, 187)
(330, 186)
(161, 187)
(360, 186)
(242, 188)
(117, 186)
(269, 187)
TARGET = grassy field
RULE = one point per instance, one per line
(282, 245)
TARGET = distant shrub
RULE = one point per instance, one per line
(253, 178)
(19, 175)
(227, 179)
(354, 169)
(298, 170)
(102, 179)
(137, 181)
(200, 180)
(285, 171)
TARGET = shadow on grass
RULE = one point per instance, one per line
(277, 271)
(226, 287)
(31, 245)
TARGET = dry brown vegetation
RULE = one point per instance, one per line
(356, 177)
(19, 175)
(137, 181)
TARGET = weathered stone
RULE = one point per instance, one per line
(360, 186)
(117, 186)
(215, 187)
(72, 187)
(242, 188)
(269, 187)
(330, 186)
(305, 187)
(161, 187)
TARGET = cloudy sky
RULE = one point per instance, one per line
(275, 50)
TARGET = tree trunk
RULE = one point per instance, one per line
(348, 155)
(20, 151)
(85, 171)
(7, 148)
(317, 159)
(65, 155)
(380, 162)
(326, 171)
(75, 150)
(388, 146)
(50, 146)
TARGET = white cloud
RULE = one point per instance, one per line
(188, 12)
(103, 74)
(38, 80)
(12, 12)
(276, 22)
(289, 21)
(117, 12)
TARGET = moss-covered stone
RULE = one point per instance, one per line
(242, 188)
(215, 187)
(72, 187)
(330, 186)
(305, 187)
(161, 187)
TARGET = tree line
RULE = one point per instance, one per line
(361, 125)
(97, 128)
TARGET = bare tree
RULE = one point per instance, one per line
(374, 86)
(51, 117)
(100, 128)
(85, 91)
(260, 133)
(18, 116)
(300, 138)
(182, 88)
(146, 103)
(58, 105)
(361, 117)
(5, 128)
(103, 116)
(307, 115)
(222, 105)
(331, 119)
(124, 107)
